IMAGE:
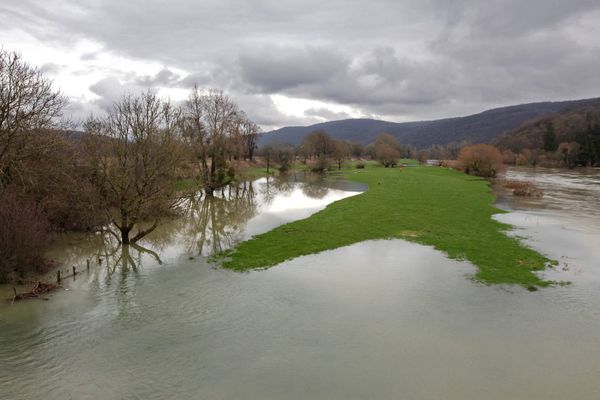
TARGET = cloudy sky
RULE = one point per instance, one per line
(299, 62)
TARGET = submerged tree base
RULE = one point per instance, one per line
(446, 209)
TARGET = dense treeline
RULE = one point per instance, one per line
(120, 174)
(570, 139)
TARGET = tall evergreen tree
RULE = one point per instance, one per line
(550, 144)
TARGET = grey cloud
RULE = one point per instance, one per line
(51, 68)
(110, 89)
(164, 78)
(326, 114)
(199, 79)
(278, 68)
(89, 56)
(378, 77)
(410, 59)
(262, 110)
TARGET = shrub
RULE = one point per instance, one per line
(320, 165)
(360, 165)
(284, 156)
(524, 188)
(481, 160)
(387, 150)
(24, 235)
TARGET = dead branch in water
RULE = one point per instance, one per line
(39, 289)
(524, 188)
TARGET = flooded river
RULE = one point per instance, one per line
(375, 320)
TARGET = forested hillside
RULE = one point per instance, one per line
(484, 127)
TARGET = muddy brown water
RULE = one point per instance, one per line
(376, 320)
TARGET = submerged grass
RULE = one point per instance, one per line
(446, 209)
(184, 184)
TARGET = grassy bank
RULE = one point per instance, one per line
(433, 206)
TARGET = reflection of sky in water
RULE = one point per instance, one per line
(287, 206)
(297, 200)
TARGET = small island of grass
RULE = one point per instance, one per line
(434, 206)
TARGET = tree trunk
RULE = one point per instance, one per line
(125, 234)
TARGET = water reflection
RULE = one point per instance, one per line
(378, 319)
(211, 225)
(208, 225)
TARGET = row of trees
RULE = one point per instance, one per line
(319, 151)
(120, 172)
(138, 149)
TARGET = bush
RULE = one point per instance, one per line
(524, 188)
(387, 150)
(481, 160)
(320, 165)
(24, 235)
(360, 165)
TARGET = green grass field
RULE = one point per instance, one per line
(433, 206)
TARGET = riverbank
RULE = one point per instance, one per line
(434, 206)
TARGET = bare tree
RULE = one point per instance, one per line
(267, 153)
(318, 144)
(24, 233)
(422, 156)
(342, 150)
(29, 107)
(284, 155)
(387, 150)
(134, 152)
(211, 120)
(250, 132)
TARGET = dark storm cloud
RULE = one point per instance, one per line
(273, 69)
(401, 59)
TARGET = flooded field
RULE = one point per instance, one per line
(379, 319)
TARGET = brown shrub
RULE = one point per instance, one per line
(422, 156)
(481, 160)
(24, 235)
(319, 165)
(453, 164)
(523, 188)
(387, 150)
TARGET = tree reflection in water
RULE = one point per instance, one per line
(207, 225)
(314, 186)
(112, 255)
(214, 224)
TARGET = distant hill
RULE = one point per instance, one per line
(478, 128)
(568, 126)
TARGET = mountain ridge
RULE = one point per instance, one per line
(482, 127)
